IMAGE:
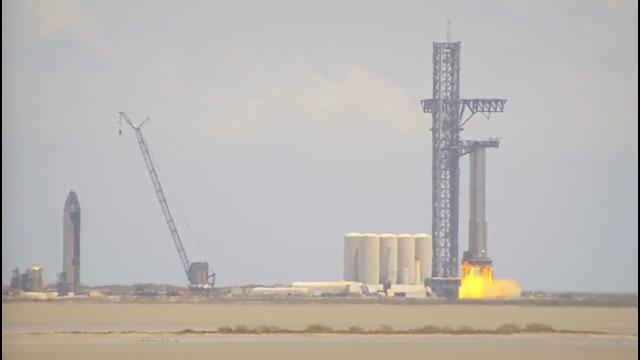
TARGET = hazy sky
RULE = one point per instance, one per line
(279, 126)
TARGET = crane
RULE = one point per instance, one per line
(197, 272)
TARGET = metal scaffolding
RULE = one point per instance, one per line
(447, 110)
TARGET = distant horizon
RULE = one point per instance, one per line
(281, 283)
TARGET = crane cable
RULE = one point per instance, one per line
(168, 188)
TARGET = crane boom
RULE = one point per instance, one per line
(159, 193)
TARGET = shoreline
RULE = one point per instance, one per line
(521, 302)
(399, 334)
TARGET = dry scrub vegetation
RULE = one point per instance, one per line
(505, 329)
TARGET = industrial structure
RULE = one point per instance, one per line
(350, 265)
(70, 276)
(387, 260)
(448, 110)
(406, 259)
(424, 257)
(368, 260)
(197, 272)
(30, 280)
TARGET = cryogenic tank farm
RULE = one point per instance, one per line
(389, 264)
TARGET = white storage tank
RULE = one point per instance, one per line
(403, 276)
(369, 259)
(350, 269)
(424, 253)
(388, 258)
(406, 259)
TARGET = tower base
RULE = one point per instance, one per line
(446, 288)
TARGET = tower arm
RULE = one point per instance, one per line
(468, 146)
(429, 105)
(485, 106)
(474, 105)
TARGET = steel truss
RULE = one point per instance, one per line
(447, 110)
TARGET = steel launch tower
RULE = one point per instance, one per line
(447, 110)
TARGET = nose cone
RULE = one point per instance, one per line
(72, 204)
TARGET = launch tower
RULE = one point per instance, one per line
(447, 110)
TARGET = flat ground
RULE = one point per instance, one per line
(374, 347)
(19, 318)
(98, 316)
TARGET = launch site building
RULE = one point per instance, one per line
(30, 280)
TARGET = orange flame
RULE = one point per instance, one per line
(477, 283)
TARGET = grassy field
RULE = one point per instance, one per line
(96, 316)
